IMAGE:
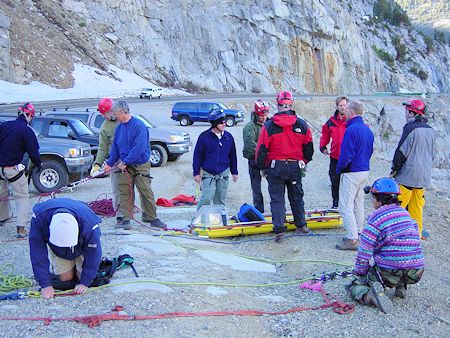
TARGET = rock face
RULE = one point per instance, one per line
(306, 46)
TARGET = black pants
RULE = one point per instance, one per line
(334, 178)
(286, 174)
(255, 181)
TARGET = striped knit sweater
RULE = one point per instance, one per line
(391, 237)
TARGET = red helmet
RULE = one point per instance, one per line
(285, 98)
(105, 105)
(261, 108)
(27, 109)
(416, 106)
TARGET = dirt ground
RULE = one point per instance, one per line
(425, 311)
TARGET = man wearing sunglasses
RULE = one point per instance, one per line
(214, 158)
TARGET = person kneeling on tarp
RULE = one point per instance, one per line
(71, 231)
(391, 237)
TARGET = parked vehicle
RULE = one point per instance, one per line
(150, 93)
(166, 144)
(61, 158)
(66, 128)
(188, 112)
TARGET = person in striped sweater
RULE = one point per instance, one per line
(392, 239)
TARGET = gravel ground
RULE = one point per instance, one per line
(425, 311)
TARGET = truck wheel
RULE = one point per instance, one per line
(140, 96)
(158, 155)
(53, 176)
(185, 121)
(229, 121)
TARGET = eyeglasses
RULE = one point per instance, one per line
(223, 122)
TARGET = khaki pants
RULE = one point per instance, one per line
(139, 176)
(351, 202)
(115, 191)
(20, 194)
(413, 200)
(59, 265)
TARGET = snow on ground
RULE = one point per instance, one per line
(90, 82)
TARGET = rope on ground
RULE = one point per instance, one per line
(103, 207)
(10, 281)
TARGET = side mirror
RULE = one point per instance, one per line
(71, 134)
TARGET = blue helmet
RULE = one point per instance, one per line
(385, 186)
(216, 114)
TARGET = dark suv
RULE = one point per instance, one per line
(188, 112)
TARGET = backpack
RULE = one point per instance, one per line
(107, 268)
(248, 213)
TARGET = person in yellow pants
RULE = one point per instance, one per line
(413, 199)
(413, 160)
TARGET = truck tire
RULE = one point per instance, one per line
(184, 120)
(158, 155)
(229, 121)
(53, 176)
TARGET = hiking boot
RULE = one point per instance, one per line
(125, 225)
(3, 221)
(376, 297)
(400, 291)
(302, 230)
(21, 232)
(119, 220)
(279, 238)
(157, 223)
(348, 244)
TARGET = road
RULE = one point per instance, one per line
(92, 103)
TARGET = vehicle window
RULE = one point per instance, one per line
(58, 129)
(147, 123)
(81, 128)
(186, 106)
(99, 121)
(38, 125)
(222, 106)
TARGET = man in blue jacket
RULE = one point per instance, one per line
(131, 152)
(16, 139)
(354, 165)
(71, 231)
(214, 158)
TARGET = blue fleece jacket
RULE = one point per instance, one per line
(356, 148)
(16, 139)
(88, 239)
(214, 155)
(131, 143)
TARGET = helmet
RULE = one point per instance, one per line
(105, 105)
(285, 98)
(215, 115)
(385, 186)
(27, 109)
(416, 106)
(261, 107)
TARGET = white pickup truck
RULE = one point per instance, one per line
(150, 93)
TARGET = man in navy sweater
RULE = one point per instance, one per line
(353, 165)
(71, 231)
(214, 159)
(16, 139)
(131, 152)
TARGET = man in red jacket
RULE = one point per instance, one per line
(285, 147)
(334, 130)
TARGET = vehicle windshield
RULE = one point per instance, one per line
(147, 123)
(222, 106)
(81, 128)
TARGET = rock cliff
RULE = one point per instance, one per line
(308, 46)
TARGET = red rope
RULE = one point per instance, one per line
(103, 207)
(95, 320)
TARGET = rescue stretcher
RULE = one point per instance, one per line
(315, 219)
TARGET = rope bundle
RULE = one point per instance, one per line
(10, 282)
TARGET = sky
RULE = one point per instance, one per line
(88, 84)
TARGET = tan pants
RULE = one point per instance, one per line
(139, 176)
(20, 194)
(59, 265)
(115, 192)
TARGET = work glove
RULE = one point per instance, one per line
(95, 169)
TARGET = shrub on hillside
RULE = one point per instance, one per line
(385, 56)
(390, 11)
